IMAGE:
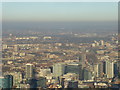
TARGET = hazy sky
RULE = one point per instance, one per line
(59, 11)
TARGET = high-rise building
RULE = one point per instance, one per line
(101, 69)
(17, 78)
(29, 70)
(80, 72)
(58, 69)
(96, 70)
(82, 64)
(1, 82)
(116, 69)
(109, 69)
(72, 68)
(82, 58)
(6, 81)
(87, 75)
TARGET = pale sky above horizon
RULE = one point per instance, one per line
(59, 11)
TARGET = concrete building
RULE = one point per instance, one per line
(87, 75)
(58, 69)
(72, 68)
(17, 78)
(96, 69)
(1, 82)
(101, 69)
(29, 70)
(109, 69)
(6, 81)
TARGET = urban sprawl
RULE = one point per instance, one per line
(60, 60)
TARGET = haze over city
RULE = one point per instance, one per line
(60, 45)
(60, 16)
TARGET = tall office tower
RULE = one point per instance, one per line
(6, 81)
(104, 67)
(96, 69)
(1, 82)
(29, 70)
(116, 70)
(58, 69)
(72, 68)
(17, 78)
(101, 69)
(80, 72)
(109, 69)
(87, 75)
(83, 58)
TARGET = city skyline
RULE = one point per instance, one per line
(60, 45)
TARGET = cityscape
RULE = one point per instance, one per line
(65, 51)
